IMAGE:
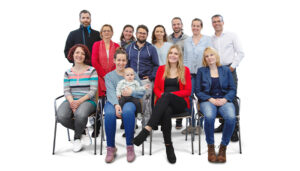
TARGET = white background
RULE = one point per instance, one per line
(33, 35)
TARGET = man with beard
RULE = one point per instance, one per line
(84, 35)
(178, 37)
(143, 58)
(231, 54)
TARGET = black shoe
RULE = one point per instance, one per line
(220, 128)
(178, 124)
(234, 137)
(124, 135)
(170, 153)
(97, 131)
(139, 139)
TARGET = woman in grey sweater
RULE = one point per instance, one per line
(113, 110)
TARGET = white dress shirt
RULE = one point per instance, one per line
(229, 48)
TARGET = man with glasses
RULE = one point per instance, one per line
(231, 54)
(84, 35)
(177, 37)
(143, 58)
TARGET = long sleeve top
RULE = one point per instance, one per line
(193, 53)
(134, 85)
(78, 85)
(229, 48)
(204, 82)
(184, 91)
(163, 52)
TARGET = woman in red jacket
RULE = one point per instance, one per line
(103, 56)
(172, 88)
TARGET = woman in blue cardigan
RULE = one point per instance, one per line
(215, 90)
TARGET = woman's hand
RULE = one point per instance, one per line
(213, 101)
(75, 104)
(222, 101)
(118, 111)
(127, 91)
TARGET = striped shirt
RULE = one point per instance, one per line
(81, 84)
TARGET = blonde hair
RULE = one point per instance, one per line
(180, 66)
(212, 51)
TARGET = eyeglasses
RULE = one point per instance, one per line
(142, 33)
(219, 21)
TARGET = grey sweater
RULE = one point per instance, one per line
(111, 82)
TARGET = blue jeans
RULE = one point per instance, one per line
(128, 115)
(210, 111)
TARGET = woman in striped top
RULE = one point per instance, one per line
(80, 87)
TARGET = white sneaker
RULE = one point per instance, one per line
(139, 116)
(86, 139)
(77, 146)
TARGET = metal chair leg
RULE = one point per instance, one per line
(68, 134)
(95, 135)
(54, 140)
(239, 134)
(186, 129)
(199, 136)
(192, 138)
(151, 142)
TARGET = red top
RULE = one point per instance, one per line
(184, 90)
(102, 63)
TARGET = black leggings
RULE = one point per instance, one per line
(168, 105)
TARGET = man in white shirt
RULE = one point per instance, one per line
(231, 54)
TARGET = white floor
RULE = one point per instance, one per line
(156, 160)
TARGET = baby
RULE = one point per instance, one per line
(134, 85)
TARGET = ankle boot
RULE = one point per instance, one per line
(212, 153)
(139, 139)
(221, 158)
(170, 153)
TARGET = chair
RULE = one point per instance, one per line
(94, 115)
(200, 115)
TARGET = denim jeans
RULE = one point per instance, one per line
(128, 116)
(210, 111)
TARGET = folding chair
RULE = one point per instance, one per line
(94, 115)
(200, 116)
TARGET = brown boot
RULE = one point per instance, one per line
(212, 153)
(221, 158)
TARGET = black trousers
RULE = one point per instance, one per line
(135, 101)
(168, 105)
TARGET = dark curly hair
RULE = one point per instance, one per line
(87, 53)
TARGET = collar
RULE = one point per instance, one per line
(178, 37)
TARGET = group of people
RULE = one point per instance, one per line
(172, 68)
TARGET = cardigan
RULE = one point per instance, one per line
(203, 83)
(109, 64)
(185, 90)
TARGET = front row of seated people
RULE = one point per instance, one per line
(215, 90)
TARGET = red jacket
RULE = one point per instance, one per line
(102, 64)
(184, 90)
